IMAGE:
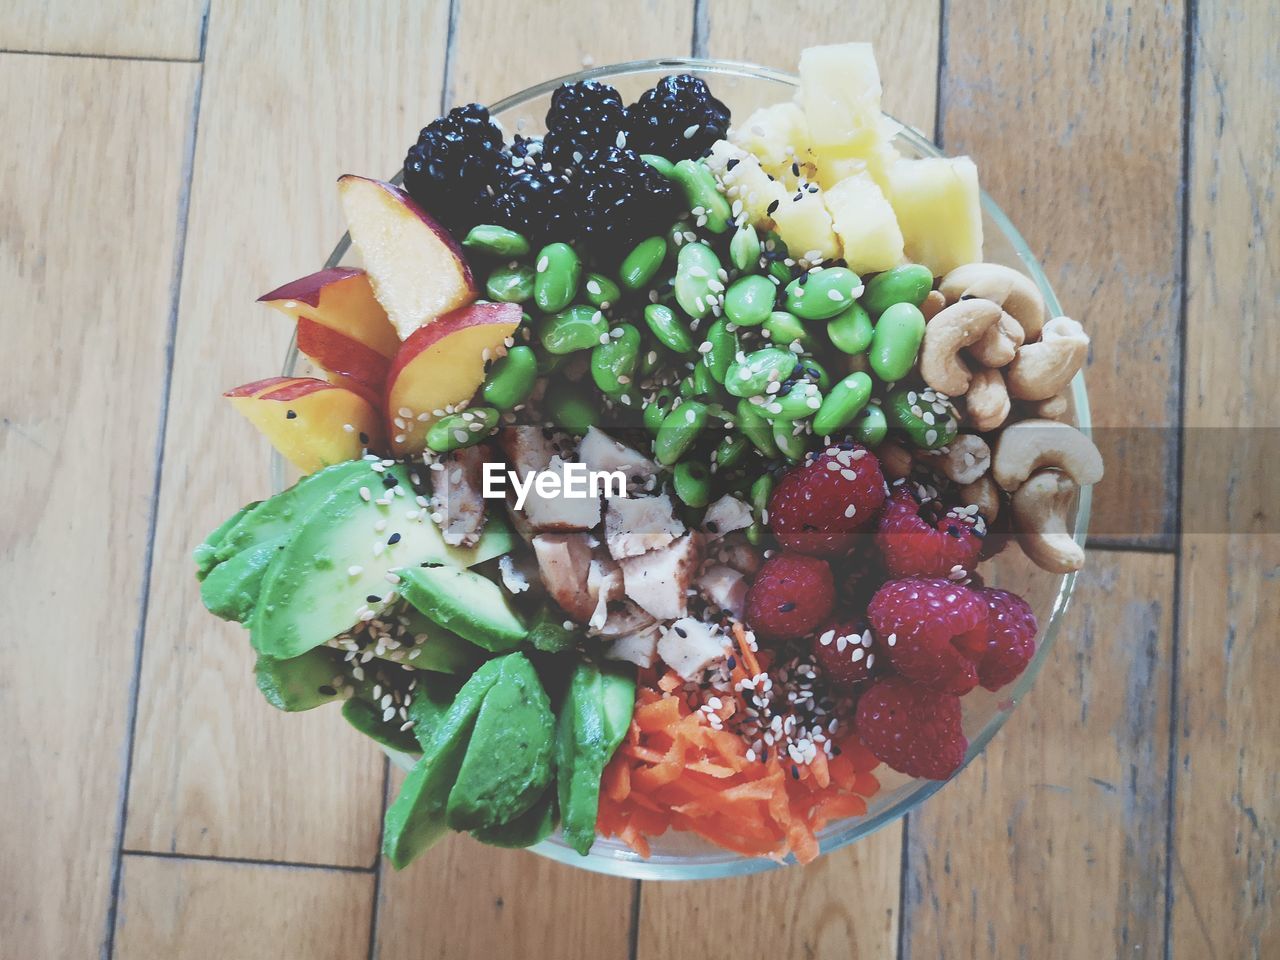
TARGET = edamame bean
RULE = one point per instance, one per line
(870, 427)
(676, 237)
(661, 164)
(702, 195)
(692, 483)
(569, 407)
(511, 283)
(896, 341)
(761, 492)
(801, 401)
(744, 248)
(730, 451)
(655, 411)
(792, 440)
(557, 272)
(613, 364)
(752, 375)
(756, 428)
(780, 272)
(496, 241)
(639, 266)
(668, 328)
(749, 301)
(784, 329)
(578, 328)
(697, 267)
(928, 421)
(458, 430)
(909, 283)
(811, 369)
(819, 294)
(650, 361)
(680, 428)
(601, 292)
(511, 379)
(851, 330)
(842, 404)
(719, 349)
(701, 385)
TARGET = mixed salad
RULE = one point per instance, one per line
(813, 411)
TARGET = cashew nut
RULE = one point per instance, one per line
(956, 327)
(984, 494)
(1031, 445)
(1000, 344)
(986, 404)
(933, 304)
(1016, 293)
(1043, 369)
(895, 460)
(1055, 408)
(967, 458)
(1041, 508)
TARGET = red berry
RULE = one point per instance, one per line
(790, 596)
(1011, 638)
(821, 507)
(932, 631)
(913, 729)
(923, 541)
(843, 650)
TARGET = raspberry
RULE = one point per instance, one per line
(1011, 638)
(821, 507)
(842, 649)
(678, 119)
(913, 729)
(921, 541)
(932, 631)
(790, 596)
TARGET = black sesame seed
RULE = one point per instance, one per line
(713, 527)
(795, 772)
(393, 539)
(290, 415)
(787, 607)
(373, 598)
(326, 690)
(795, 169)
(364, 439)
(390, 481)
(733, 162)
(681, 632)
(772, 207)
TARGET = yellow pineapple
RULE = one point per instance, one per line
(777, 135)
(840, 96)
(805, 225)
(746, 181)
(865, 223)
(937, 203)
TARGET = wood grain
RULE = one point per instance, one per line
(310, 92)
(1226, 851)
(85, 281)
(121, 28)
(1053, 843)
(1075, 121)
(206, 910)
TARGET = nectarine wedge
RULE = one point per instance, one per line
(345, 362)
(342, 299)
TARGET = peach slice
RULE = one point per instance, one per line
(342, 299)
(417, 269)
(345, 362)
(442, 365)
(311, 422)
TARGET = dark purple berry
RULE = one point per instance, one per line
(583, 117)
(678, 119)
(451, 169)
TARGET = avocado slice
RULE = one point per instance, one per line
(367, 718)
(548, 633)
(300, 683)
(593, 721)
(230, 590)
(508, 762)
(532, 826)
(469, 604)
(205, 555)
(416, 819)
(442, 652)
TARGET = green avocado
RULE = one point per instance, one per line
(366, 717)
(230, 590)
(302, 682)
(532, 826)
(469, 604)
(206, 555)
(443, 651)
(548, 633)
(508, 763)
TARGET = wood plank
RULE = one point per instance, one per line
(121, 28)
(1092, 181)
(1059, 828)
(90, 236)
(198, 909)
(217, 771)
(1226, 849)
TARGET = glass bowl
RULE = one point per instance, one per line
(679, 856)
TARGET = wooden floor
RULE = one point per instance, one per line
(165, 163)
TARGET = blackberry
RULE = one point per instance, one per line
(452, 168)
(678, 119)
(621, 200)
(530, 198)
(583, 117)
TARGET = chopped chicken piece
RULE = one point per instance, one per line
(599, 451)
(637, 525)
(640, 648)
(604, 586)
(560, 513)
(725, 516)
(690, 646)
(624, 618)
(457, 497)
(564, 560)
(659, 580)
(531, 449)
(725, 589)
(737, 552)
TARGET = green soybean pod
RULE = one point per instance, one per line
(801, 402)
(577, 328)
(756, 428)
(569, 407)
(792, 441)
(744, 248)
(496, 241)
(851, 330)
(752, 375)
(639, 266)
(676, 237)
(557, 272)
(680, 428)
(844, 402)
(784, 329)
(458, 430)
(702, 195)
(928, 421)
(700, 384)
(511, 380)
(511, 283)
(749, 301)
(730, 451)
(668, 328)
(692, 482)
(650, 360)
(761, 492)
(613, 364)
(896, 342)
(870, 426)
(600, 291)
(909, 283)
(820, 294)
(780, 272)
(661, 164)
(697, 266)
(719, 349)
(811, 369)
(655, 411)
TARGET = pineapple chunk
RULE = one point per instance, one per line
(865, 224)
(777, 135)
(840, 96)
(938, 207)
(876, 157)
(805, 226)
(746, 181)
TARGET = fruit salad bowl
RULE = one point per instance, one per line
(744, 88)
